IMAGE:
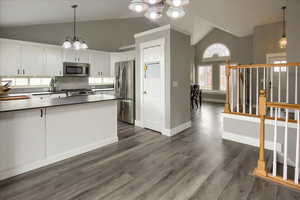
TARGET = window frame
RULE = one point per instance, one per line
(216, 58)
(211, 73)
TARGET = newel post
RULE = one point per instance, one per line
(227, 103)
(261, 165)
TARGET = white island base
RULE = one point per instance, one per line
(31, 139)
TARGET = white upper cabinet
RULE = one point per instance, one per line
(54, 61)
(78, 56)
(100, 64)
(10, 58)
(32, 60)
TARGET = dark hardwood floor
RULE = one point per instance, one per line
(196, 164)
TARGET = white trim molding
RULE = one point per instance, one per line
(257, 120)
(139, 123)
(155, 30)
(249, 140)
(56, 158)
(177, 129)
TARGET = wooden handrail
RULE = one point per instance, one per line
(264, 65)
(283, 105)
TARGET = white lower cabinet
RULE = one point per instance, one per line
(22, 139)
(30, 139)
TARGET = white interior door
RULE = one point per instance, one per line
(152, 88)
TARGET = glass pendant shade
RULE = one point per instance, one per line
(178, 3)
(84, 45)
(77, 45)
(283, 42)
(138, 6)
(67, 44)
(153, 13)
(152, 2)
(175, 13)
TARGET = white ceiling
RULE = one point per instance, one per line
(238, 17)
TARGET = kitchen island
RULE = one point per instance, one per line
(37, 132)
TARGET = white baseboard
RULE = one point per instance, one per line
(249, 141)
(213, 100)
(176, 130)
(53, 159)
(139, 124)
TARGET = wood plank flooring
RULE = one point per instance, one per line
(196, 164)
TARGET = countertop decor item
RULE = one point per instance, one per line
(154, 8)
(74, 42)
(4, 89)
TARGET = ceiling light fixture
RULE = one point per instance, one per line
(283, 41)
(138, 6)
(74, 42)
(175, 12)
(155, 8)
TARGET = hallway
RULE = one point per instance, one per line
(196, 164)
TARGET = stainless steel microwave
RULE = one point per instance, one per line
(76, 69)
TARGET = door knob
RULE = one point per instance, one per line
(145, 92)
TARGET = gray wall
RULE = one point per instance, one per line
(265, 41)
(293, 30)
(106, 35)
(182, 57)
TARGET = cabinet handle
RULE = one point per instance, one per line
(18, 71)
(23, 71)
(42, 113)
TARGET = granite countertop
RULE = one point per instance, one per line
(8, 106)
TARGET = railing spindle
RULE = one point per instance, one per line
(296, 87)
(285, 145)
(244, 91)
(250, 98)
(287, 84)
(232, 84)
(297, 150)
(257, 91)
(238, 91)
(264, 78)
(271, 90)
(275, 144)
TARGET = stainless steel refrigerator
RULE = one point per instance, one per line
(125, 90)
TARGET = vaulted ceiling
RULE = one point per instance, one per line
(238, 17)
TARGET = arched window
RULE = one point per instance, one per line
(216, 52)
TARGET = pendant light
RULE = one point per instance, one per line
(283, 40)
(154, 9)
(74, 42)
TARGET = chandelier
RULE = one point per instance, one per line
(154, 8)
(283, 40)
(74, 42)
